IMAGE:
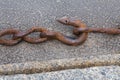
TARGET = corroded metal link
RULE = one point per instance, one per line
(9, 42)
(31, 30)
(98, 30)
(66, 39)
(79, 29)
(76, 24)
(25, 37)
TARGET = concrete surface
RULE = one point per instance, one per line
(94, 73)
(23, 14)
(61, 64)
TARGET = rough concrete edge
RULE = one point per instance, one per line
(61, 64)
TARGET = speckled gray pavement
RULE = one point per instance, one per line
(23, 14)
(95, 73)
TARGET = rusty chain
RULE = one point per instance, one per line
(80, 30)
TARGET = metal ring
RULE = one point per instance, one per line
(10, 41)
(34, 40)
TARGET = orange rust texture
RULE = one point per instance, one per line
(80, 30)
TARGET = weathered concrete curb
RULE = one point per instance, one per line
(55, 65)
(92, 73)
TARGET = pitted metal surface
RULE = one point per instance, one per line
(45, 34)
(80, 30)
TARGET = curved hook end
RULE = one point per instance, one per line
(64, 20)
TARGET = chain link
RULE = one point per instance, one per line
(80, 30)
